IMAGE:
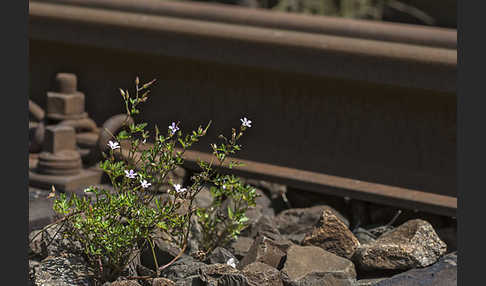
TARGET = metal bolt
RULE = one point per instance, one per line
(67, 83)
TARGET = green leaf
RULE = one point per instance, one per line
(230, 213)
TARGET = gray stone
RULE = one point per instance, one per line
(164, 250)
(369, 282)
(162, 282)
(267, 251)
(204, 198)
(295, 223)
(40, 210)
(53, 244)
(331, 234)
(125, 283)
(413, 244)
(195, 236)
(262, 274)
(32, 265)
(221, 255)
(241, 246)
(222, 275)
(183, 268)
(193, 280)
(323, 279)
(37, 250)
(265, 203)
(62, 271)
(275, 190)
(255, 214)
(264, 226)
(311, 265)
(380, 230)
(364, 236)
(442, 273)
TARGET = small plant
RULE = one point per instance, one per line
(110, 226)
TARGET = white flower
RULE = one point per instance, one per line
(144, 140)
(245, 122)
(145, 184)
(113, 145)
(179, 189)
(224, 187)
(173, 128)
(130, 174)
(231, 262)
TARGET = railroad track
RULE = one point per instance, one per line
(353, 108)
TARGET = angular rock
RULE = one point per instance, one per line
(311, 265)
(204, 198)
(322, 279)
(144, 271)
(193, 280)
(183, 268)
(62, 271)
(37, 250)
(164, 253)
(222, 275)
(263, 274)
(51, 243)
(162, 282)
(442, 273)
(380, 230)
(264, 226)
(364, 236)
(294, 224)
(195, 236)
(256, 213)
(413, 244)
(125, 283)
(369, 282)
(265, 203)
(274, 189)
(276, 193)
(32, 265)
(267, 251)
(241, 246)
(221, 255)
(331, 234)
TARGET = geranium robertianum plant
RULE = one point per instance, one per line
(111, 226)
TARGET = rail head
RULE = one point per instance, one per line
(290, 51)
(363, 29)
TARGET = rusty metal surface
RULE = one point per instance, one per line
(388, 135)
(321, 55)
(338, 186)
(382, 31)
(328, 184)
(354, 109)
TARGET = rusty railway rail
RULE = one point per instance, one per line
(381, 31)
(327, 184)
(351, 58)
(354, 108)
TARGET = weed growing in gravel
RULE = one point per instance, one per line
(112, 226)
